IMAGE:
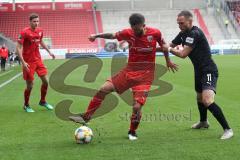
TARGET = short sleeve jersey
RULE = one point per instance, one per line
(31, 40)
(4, 52)
(142, 50)
(201, 53)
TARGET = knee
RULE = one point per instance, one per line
(207, 101)
(137, 107)
(45, 83)
(105, 90)
(30, 86)
(102, 93)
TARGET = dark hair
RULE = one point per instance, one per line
(33, 15)
(136, 18)
(186, 14)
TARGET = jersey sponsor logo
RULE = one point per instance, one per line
(150, 38)
(189, 40)
(143, 49)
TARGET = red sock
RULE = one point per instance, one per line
(26, 96)
(43, 93)
(135, 120)
(92, 107)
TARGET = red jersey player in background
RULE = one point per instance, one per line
(28, 51)
(138, 75)
(4, 56)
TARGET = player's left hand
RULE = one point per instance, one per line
(52, 55)
(172, 66)
(92, 38)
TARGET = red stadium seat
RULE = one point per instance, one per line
(67, 29)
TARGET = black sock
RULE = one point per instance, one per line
(218, 114)
(202, 111)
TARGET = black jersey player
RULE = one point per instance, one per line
(196, 47)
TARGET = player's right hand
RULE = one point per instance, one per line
(25, 66)
(92, 38)
(172, 66)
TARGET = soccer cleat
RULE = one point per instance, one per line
(46, 105)
(28, 109)
(199, 125)
(132, 136)
(78, 119)
(228, 133)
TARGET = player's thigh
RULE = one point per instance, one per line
(107, 87)
(198, 82)
(41, 69)
(28, 75)
(120, 82)
(209, 81)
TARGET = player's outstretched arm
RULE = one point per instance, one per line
(47, 49)
(19, 54)
(102, 35)
(179, 53)
(160, 49)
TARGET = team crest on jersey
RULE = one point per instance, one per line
(189, 40)
(150, 38)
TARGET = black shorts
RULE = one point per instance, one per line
(204, 81)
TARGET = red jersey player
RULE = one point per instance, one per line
(137, 75)
(28, 51)
(4, 56)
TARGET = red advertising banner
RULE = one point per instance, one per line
(33, 6)
(73, 5)
(46, 6)
(5, 7)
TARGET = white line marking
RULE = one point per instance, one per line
(10, 80)
(5, 73)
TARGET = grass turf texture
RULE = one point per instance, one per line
(41, 135)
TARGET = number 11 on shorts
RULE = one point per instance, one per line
(209, 77)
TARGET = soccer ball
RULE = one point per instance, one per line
(83, 134)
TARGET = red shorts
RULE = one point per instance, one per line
(34, 67)
(138, 81)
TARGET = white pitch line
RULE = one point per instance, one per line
(10, 80)
(5, 73)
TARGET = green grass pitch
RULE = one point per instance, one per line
(41, 135)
